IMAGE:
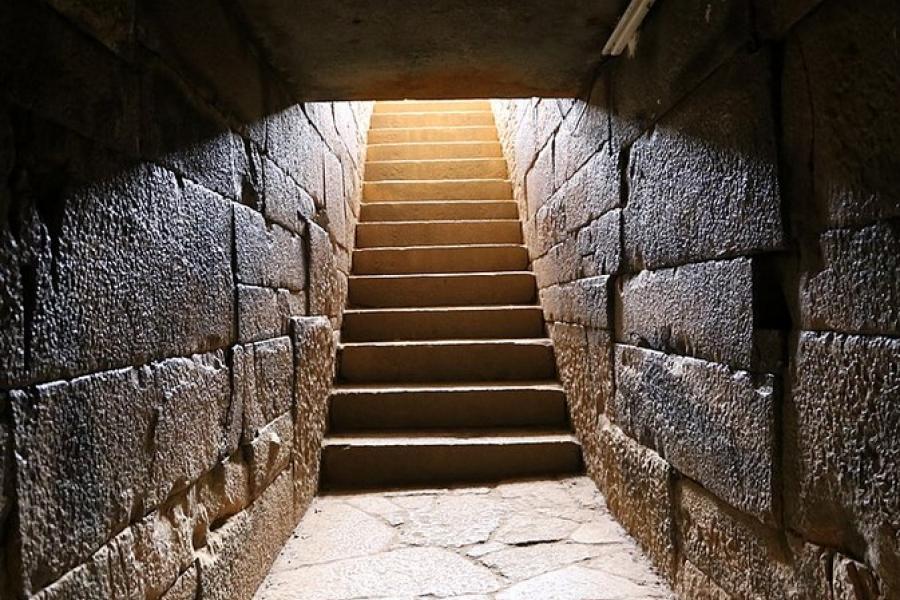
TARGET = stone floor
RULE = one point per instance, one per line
(541, 540)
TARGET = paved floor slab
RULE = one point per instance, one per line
(525, 540)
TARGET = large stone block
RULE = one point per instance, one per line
(581, 302)
(704, 183)
(600, 245)
(692, 583)
(637, 484)
(704, 310)
(335, 202)
(294, 144)
(264, 380)
(713, 424)
(240, 552)
(855, 287)
(323, 291)
(539, 181)
(314, 360)
(165, 252)
(285, 202)
(559, 265)
(270, 452)
(842, 445)
(6, 460)
(12, 315)
(95, 452)
(852, 580)
(840, 85)
(267, 255)
(549, 224)
(593, 189)
(264, 312)
(583, 145)
(747, 559)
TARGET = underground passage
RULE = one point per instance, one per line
(499, 300)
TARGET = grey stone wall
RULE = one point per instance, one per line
(174, 252)
(715, 235)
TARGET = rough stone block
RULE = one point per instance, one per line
(12, 317)
(559, 265)
(637, 484)
(600, 245)
(322, 274)
(294, 144)
(6, 459)
(747, 559)
(166, 256)
(270, 452)
(691, 582)
(593, 189)
(713, 424)
(185, 587)
(264, 380)
(263, 313)
(704, 182)
(703, 310)
(856, 287)
(285, 202)
(584, 138)
(852, 580)
(842, 445)
(841, 115)
(97, 450)
(548, 118)
(267, 255)
(539, 181)
(240, 552)
(335, 201)
(314, 360)
(550, 224)
(582, 302)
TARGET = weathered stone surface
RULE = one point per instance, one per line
(294, 144)
(522, 562)
(335, 202)
(267, 255)
(703, 184)
(286, 203)
(549, 224)
(637, 484)
(264, 381)
(240, 552)
(713, 424)
(559, 265)
(747, 559)
(693, 583)
(184, 588)
(265, 313)
(856, 288)
(703, 310)
(93, 452)
(539, 181)
(584, 161)
(842, 446)
(853, 581)
(6, 459)
(582, 302)
(600, 245)
(170, 262)
(842, 121)
(314, 362)
(593, 189)
(270, 452)
(322, 278)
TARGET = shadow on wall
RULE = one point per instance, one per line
(163, 373)
(715, 238)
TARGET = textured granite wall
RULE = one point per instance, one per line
(716, 235)
(173, 260)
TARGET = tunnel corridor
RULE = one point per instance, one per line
(450, 300)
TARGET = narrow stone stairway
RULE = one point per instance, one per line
(445, 371)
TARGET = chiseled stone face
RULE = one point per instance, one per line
(713, 424)
(843, 444)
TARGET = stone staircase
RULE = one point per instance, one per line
(445, 371)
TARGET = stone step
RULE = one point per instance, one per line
(480, 322)
(447, 360)
(455, 168)
(399, 106)
(432, 119)
(446, 406)
(447, 189)
(441, 289)
(471, 258)
(432, 233)
(455, 456)
(400, 135)
(439, 211)
(434, 150)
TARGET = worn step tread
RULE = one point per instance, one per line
(494, 188)
(463, 149)
(446, 386)
(453, 437)
(442, 289)
(458, 258)
(399, 234)
(414, 211)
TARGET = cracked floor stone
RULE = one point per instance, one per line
(547, 540)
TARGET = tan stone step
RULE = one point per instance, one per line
(429, 233)
(480, 322)
(434, 150)
(471, 258)
(432, 134)
(439, 211)
(455, 168)
(443, 289)
(432, 119)
(447, 360)
(455, 456)
(399, 106)
(439, 406)
(448, 189)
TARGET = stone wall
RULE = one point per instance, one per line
(716, 235)
(173, 260)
